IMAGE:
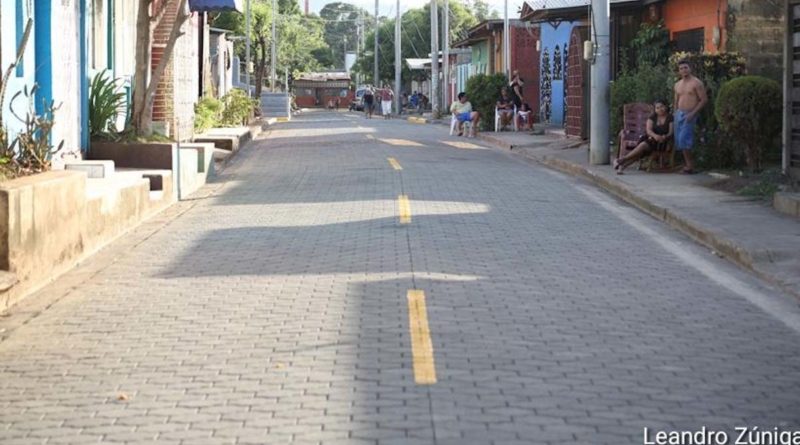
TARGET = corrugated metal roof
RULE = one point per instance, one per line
(324, 77)
(558, 4)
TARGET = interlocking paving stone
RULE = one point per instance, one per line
(273, 311)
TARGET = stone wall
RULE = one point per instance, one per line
(755, 29)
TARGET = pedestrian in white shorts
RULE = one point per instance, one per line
(387, 98)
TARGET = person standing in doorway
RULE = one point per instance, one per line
(387, 98)
(690, 98)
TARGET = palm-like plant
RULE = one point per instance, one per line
(106, 102)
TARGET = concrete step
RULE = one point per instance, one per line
(94, 169)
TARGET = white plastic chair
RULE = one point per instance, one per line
(454, 124)
(497, 119)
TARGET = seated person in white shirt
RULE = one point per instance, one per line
(462, 110)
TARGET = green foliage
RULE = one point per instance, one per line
(416, 43)
(234, 109)
(645, 84)
(482, 92)
(30, 150)
(299, 37)
(651, 45)
(340, 21)
(207, 114)
(238, 108)
(749, 109)
(106, 102)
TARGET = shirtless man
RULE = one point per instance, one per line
(690, 98)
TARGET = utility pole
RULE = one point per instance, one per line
(446, 54)
(358, 44)
(601, 74)
(274, 52)
(398, 61)
(375, 80)
(506, 44)
(435, 59)
(247, 50)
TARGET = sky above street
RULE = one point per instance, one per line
(387, 7)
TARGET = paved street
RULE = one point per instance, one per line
(278, 310)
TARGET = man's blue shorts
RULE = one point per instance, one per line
(684, 131)
(463, 117)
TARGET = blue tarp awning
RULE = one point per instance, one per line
(215, 5)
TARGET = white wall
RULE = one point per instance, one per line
(186, 77)
(9, 41)
(65, 49)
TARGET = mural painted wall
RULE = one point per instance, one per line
(553, 66)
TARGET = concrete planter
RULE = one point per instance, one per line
(196, 160)
(51, 220)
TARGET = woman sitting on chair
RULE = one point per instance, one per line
(659, 132)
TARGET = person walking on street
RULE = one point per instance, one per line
(387, 98)
(690, 98)
(369, 100)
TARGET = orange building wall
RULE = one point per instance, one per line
(683, 15)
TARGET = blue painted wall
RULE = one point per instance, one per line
(553, 66)
(44, 65)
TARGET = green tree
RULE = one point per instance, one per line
(416, 43)
(341, 20)
(482, 11)
(298, 38)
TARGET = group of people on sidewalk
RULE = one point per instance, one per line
(664, 128)
(384, 95)
(511, 105)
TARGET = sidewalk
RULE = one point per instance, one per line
(746, 231)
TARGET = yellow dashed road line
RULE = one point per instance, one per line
(404, 208)
(395, 165)
(421, 344)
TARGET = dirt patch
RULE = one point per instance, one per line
(757, 185)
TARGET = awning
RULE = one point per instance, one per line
(215, 5)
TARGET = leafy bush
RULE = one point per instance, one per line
(651, 44)
(749, 109)
(645, 84)
(238, 108)
(482, 92)
(106, 102)
(207, 114)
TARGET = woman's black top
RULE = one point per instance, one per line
(659, 129)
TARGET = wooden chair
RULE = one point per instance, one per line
(635, 117)
(634, 126)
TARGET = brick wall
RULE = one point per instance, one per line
(173, 105)
(525, 59)
(577, 72)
